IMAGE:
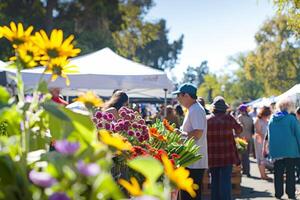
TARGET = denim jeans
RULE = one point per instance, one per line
(285, 165)
(197, 176)
(221, 183)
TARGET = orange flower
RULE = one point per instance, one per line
(153, 132)
(168, 126)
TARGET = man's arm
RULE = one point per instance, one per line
(196, 134)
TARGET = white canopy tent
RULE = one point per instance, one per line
(103, 71)
(293, 93)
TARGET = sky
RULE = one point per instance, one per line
(213, 30)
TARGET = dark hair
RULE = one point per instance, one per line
(201, 101)
(264, 112)
(298, 110)
(179, 110)
(193, 96)
(117, 100)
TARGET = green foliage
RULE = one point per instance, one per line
(149, 167)
(292, 9)
(210, 88)
(277, 53)
(96, 24)
(196, 75)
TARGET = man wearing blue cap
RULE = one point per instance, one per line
(194, 126)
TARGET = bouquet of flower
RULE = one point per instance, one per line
(163, 136)
(130, 125)
(241, 144)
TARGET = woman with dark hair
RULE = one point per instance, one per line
(171, 116)
(179, 112)
(261, 129)
(117, 100)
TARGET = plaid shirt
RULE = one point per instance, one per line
(221, 146)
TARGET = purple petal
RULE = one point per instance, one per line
(59, 196)
(42, 179)
(88, 169)
(65, 147)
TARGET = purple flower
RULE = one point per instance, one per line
(132, 116)
(98, 114)
(117, 128)
(127, 117)
(65, 147)
(123, 114)
(134, 125)
(59, 196)
(28, 98)
(105, 116)
(141, 121)
(110, 116)
(99, 125)
(91, 169)
(107, 126)
(141, 139)
(130, 133)
(144, 127)
(41, 179)
(137, 134)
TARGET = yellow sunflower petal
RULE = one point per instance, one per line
(13, 26)
(20, 30)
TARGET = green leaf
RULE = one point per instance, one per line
(54, 109)
(13, 118)
(149, 167)
(4, 96)
(43, 87)
(84, 128)
(106, 186)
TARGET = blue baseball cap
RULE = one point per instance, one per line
(187, 88)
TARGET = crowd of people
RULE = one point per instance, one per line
(272, 133)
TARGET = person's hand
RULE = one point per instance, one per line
(176, 130)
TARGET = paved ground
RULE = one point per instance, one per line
(255, 188)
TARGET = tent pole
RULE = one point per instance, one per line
(165, 107)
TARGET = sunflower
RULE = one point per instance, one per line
(90, 99)
(28, 54)
(132, 187)
(16, 33)
(59, 67)
(55, 46)
(117, 141)
(179, 176)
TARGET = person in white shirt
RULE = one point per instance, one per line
(194, 126)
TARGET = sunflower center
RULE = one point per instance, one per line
(57, 70)
(52, 53)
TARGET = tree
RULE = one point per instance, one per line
(196, 75)
(291, 8)
(275, 60)
(159, 53)
(144, 41)
(210, 88)
(240, 86)
(118, 24)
